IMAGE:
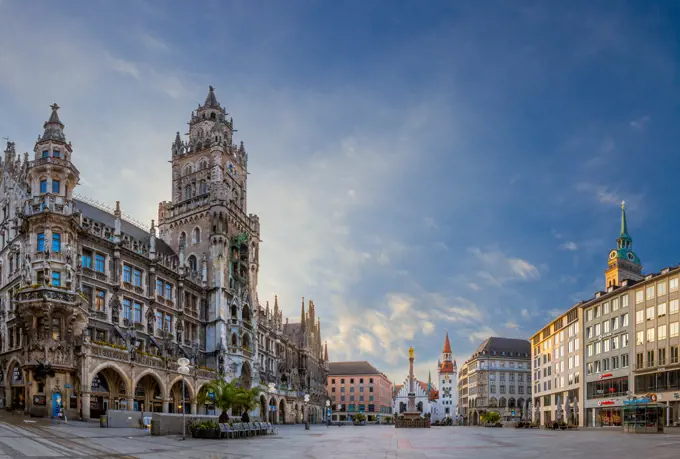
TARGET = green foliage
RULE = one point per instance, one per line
(491, 417)
(247, 399)
(226, 395)
(359, 417)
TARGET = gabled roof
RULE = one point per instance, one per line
(505, 347)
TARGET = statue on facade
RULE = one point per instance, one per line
(27, 271)
(410, 352)
(69, 273)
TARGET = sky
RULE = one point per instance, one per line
(417, 167)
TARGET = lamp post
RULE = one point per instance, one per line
(271, 387)
(183, 370)
(328, 413)
(306, 413)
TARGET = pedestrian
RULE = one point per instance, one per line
(59, 414)
(245, 417)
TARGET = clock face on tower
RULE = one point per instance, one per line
(612, 254)
(631, 257)
(447, 391)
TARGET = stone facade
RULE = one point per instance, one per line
(96, 309)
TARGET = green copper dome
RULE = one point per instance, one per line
(624, 242)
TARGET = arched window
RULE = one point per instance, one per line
(203, 187)
(196, 236)
(246, 313)
(234, 340)
(187, 169)
(187, 192)
(183, 239)
(234, 192)
(204, 164)
(193, 265)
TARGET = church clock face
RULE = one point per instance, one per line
(631, 257)
(612, 255)
(447, 392)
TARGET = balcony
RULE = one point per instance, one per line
(47, 202)
(37, 293)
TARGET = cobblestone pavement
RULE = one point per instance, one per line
(41, 438)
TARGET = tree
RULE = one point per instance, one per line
(491, 417)
(222, 394)
(247, 399)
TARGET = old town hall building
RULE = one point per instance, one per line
(95, 309)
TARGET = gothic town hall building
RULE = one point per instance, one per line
(95, 309)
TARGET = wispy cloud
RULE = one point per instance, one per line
(640, 123)
(499, 268)
(571, 246)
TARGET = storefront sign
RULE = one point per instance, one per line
(39, 400)
(606, 402)
(606, 375)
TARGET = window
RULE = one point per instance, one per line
(99, 263)
(650, 358)
(607, 388)
(138, 313)
(674, 329)
(159, 320)
(100, 300)
(576, 361)
(87, 259)
(127, 274)
(615, 362)
(624, 360)
(56, 279)
(605, 326)
(193, 265)
(598, 329)
(661, 332)
(41, 242)
(624, 340)
(55, 186)
(639, 296)
(127, 309)
(589, 315)
(598, 347)
(56, 242)
(674, 354)
(615, 323)
(590, 350)
(196, 236)
(615, 304)
(673, 284)
(168, 291)
(661, 309)
(624, 301)
(606, 308)
(43, 186)
(650, 313)
(674, 307)
(650, 335)
(639, 338)
(605, 345)
(168, 323)
(624, 319)
(56, 154)
(159, 287)
(661, 288)
(597, 311)
(650, 292)
(56, 328)
(615, 343)
(137, 277)
(589, 332)
(45, 154)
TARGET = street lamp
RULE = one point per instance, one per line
(272, 387)
(306, 413)
(328, 413)
(183, 370)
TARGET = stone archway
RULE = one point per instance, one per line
(272, 412)
(246, 378)
(16, 383)
(109, 389)
(282, 411)
(264, 409)
(177, 402)
(149, 394)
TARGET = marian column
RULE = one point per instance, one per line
(411, 383)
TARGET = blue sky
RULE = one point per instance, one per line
(417, 166)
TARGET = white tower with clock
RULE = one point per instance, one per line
(448, 375)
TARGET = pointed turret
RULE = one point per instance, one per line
(446, 365)
(325, 352)
(302, 312)
(54, 128)
(447, 345)
(211, 99)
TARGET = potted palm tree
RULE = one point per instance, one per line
(247, 399)
(220, 393)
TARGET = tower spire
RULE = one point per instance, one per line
(302, 312)
(211, 99)
(54, 128)
(325, 352)
(624, 223)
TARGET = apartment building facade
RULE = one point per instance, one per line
(358, 387)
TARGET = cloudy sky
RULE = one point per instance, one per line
(417, 167)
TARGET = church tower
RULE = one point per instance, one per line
(207, 226)
(448, 373)
(623, 262)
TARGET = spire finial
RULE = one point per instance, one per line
(623, 204)
(117, 212)
(55, 107)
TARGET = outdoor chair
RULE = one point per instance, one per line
(224, 431)
(254, 430)
(263, 428)
(238, 430)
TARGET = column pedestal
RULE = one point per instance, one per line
(166, 406)
(194, 408)
(130, 404)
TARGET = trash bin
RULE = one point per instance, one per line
(103, 421)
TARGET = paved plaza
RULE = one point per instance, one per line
(77, 440)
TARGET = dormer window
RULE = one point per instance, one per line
(56, 154)
(45, 154)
